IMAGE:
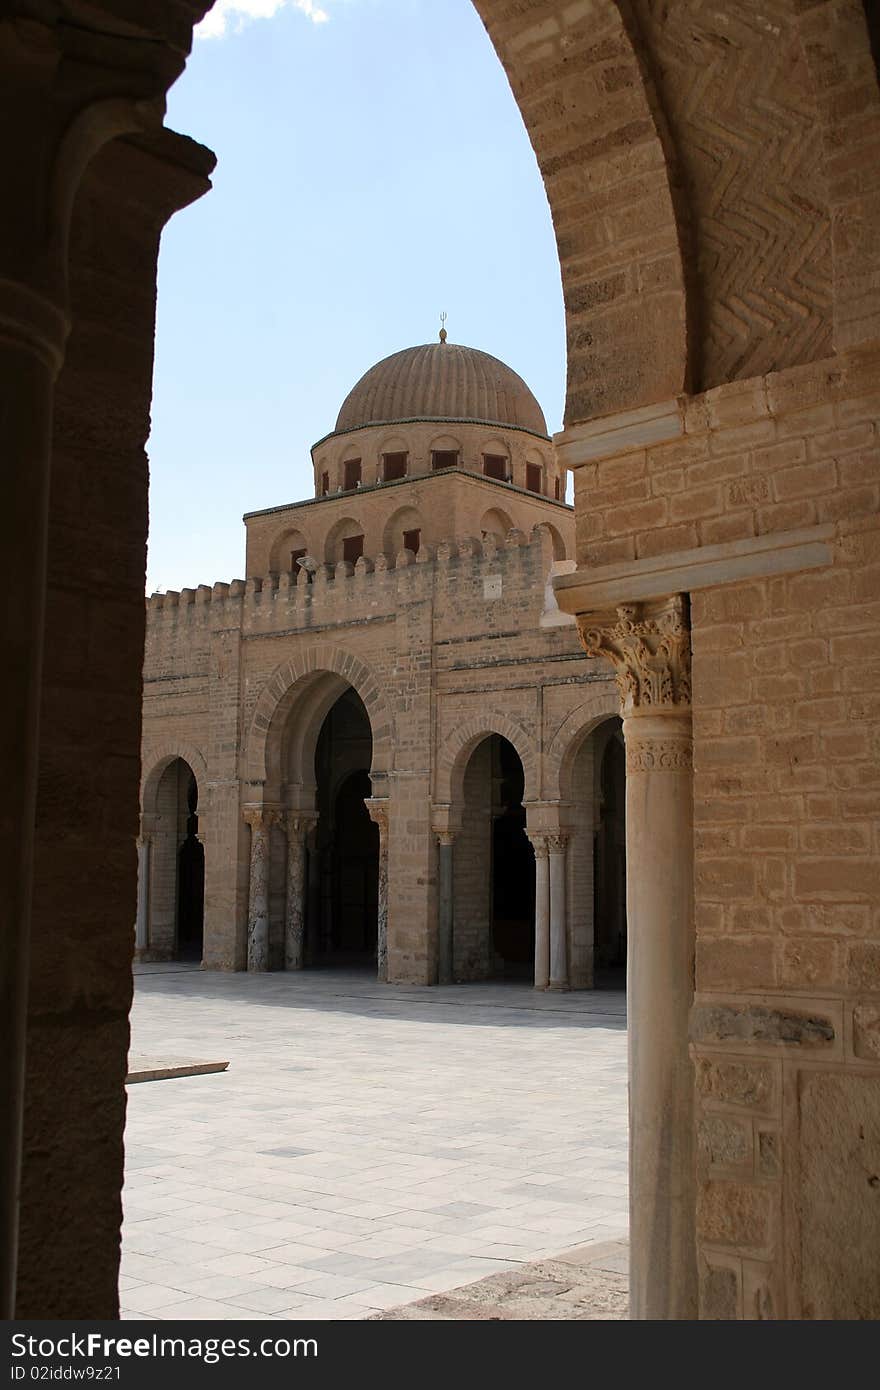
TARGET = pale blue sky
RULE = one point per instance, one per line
(373, 169)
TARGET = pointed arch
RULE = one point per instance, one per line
(559, 757)
(155, 758)
(316, 676)
(460, 744)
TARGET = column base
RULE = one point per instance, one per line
(555, 987)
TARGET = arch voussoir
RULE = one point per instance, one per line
(278, 696)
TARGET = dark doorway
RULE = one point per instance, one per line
(191, 882)
(610, 866)
(343, 897)
(513, 867)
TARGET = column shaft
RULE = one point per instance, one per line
(558, 915)
(294, 920)
(542, 913)
(659, 844)
(378, 809)
(142, 924)
(258, 897)
(648, 643)
(445, 933)
(382, 925)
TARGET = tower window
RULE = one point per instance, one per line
(352, 474)
(394, 466)
(412, 540)
(556, 489)
(444, 458)
(325, 484)
(495, 466)
(533, 477)
(353, 547)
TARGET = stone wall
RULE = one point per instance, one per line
(449, 503)
(445, 648)
(763, 498)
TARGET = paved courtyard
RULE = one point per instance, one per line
(369, 1144)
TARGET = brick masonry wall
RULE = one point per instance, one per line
(787, 792)
(443, 506)
(452, 638)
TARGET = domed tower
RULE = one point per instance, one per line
(433, 443)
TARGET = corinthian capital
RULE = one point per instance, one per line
(648, 644)
(378, 812)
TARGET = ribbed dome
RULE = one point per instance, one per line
(441, 381)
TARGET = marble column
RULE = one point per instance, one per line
(142, 923)
(649, 645)
(378, 809)
(298, 830)
(261, 823)
(445, 915)
(542, 911)
(557, 845)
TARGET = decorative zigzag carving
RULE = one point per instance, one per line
(737, 96)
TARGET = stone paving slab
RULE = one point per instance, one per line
(369, 1145)
(587, 1283)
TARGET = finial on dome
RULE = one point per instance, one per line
(443, 335)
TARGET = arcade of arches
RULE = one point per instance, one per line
(712, 171)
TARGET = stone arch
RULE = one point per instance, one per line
(460, 744)
(496, 522)
(346, 527)
(557, 542)
(287, 541)
(623, 281)
(564, 746)
(157, 758)
(407, 518)
(316, 677)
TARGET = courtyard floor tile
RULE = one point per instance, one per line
(367, 1143)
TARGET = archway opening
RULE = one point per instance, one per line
(343, 889)
(597, 859)
(609, 883)
(494, 874)
(175, 892)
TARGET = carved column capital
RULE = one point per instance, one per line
(378, 811)
(297, 823)
(539, 845)
(261, 818)
(557, 842)
(445, 838)
(648, 644)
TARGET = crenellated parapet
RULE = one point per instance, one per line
(327, 594)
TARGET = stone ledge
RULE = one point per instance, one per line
(683, 571)
(620, 434)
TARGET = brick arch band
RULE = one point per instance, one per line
(460, 744)
(292, 680)
(158, 757)
(566, 742)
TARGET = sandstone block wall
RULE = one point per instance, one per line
(786, 783)
(440, 505)
(452, 646)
